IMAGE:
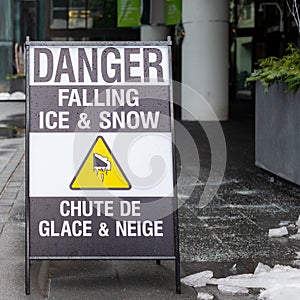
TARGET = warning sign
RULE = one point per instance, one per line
(100, 170)
(100, 154)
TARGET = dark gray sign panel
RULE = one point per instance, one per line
(100, 162)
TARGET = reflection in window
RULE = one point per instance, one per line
(242, 13)
(104, 13)
(71, 14)
(245, 12)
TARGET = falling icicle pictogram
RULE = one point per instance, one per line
(100, 171)
(101, 165)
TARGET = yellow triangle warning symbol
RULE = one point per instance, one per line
(100, 170)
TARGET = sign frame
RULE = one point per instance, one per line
(28, 257)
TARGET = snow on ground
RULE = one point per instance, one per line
(277, 283)
(13, 96)
(4, 96)
(281, 293)
(232, 290)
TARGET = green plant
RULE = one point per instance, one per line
(274, 70)
(14, 76)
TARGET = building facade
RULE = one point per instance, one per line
(216, 43)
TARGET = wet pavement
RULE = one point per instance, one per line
(235, 224)
(231, 229)
(12, 118)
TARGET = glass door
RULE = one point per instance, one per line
(242, 22)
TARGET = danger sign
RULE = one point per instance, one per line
(100, 168)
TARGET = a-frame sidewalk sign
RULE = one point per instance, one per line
(100, 154)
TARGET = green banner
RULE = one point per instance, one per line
(129, 13)
(173, 12)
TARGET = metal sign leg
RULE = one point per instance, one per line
(27, 276)
(177, 254)
(177, 274)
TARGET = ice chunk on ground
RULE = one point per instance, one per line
(4, 96)
(278, 232)
(262, 268)
(281, 293)
(291, 226)
(295, 236)
(238, 278)
(205, 296)
(246, 192)
(17, 96)
(298, 222)
(280, 282)
(233, 269)
(297, 254)
(282, 275)
(232, 290)
(198, 279)
(284, 223)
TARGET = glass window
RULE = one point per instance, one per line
(59, 17)
(78, 15)
(71, 14)
(245, 13)
(103, 13)
(242, 21)
(242, 13)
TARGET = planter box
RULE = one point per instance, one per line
(17, 85)
(277, 132)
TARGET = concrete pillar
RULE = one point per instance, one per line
(156, 31)
(205, 58)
